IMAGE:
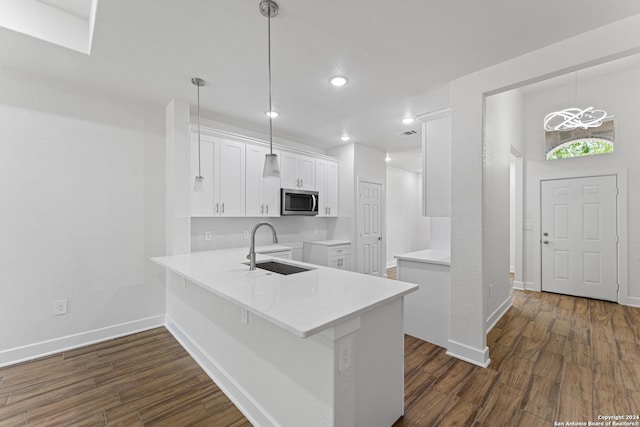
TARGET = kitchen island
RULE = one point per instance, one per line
(322, 347)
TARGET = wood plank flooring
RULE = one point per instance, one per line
(554, 358)
(143, 379)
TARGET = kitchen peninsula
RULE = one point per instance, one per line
(322, 347)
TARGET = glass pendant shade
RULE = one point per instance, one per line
(271, 167)
(198, 185)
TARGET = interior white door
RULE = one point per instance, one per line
(369, 228)
(579, 237)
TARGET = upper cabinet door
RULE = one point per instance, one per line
(289, 170)
(307, 172)
(297, 171)
(202, 203)
(255, 163)
(327, 187)
(321, 187)
(262, 194)
(332, 188)
(230, 162)
(436, 175)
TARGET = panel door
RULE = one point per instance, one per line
(369, 228)
(230, 163)
(579, 237)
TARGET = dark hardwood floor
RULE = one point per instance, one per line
(143, 379)
(554, 358)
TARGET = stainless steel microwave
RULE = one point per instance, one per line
(298, 202)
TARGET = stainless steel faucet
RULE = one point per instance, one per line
(252, 249)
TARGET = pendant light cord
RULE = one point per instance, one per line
(199, 163)
(269, 64)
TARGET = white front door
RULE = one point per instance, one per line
(369, 228)
(579, 237)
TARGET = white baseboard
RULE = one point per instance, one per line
(498, 313)
(251, 409)
(631, 301)
(518, 285)
(58, 345)
(469, 354)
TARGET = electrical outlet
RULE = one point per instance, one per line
(344, 350)
(60, 307)
(245, 234)
(207, 235)
(244, 316)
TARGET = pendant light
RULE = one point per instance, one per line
(198, 184)
(269, 8)
(573, 118)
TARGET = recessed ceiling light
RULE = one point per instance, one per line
(272, 114)
(338, 81)
(387, 158)
(408, 120)
(345, 138)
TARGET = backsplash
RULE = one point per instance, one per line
(229, 232)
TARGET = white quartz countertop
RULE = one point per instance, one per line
(328, 242)
(427, 256)
(303, 303)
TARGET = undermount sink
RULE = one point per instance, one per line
(281, 267)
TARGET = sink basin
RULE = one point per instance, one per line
(280, 267)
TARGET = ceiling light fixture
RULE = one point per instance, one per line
(338, 81)
(573, 118)
(269, 8)
(198, 184)
(408, 120)
(345, 138)
(272, 114)
(387, 158)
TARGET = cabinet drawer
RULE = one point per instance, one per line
(339, 250)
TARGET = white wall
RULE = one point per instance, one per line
(468, 260)
(81, 180)
(407, 229)
(503, 127)
(229, 232)
(612, 93)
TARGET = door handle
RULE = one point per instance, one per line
(223, 208)
(267, 209)
(217, 207)
(297, 182)
(546, 242)
(261, 209)
(379, 237)
(313, 208)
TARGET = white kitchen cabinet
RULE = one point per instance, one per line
(223, 169)
(297, 171)
(327, 187)
(436, 175)
(262, 194)
(329, 253)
